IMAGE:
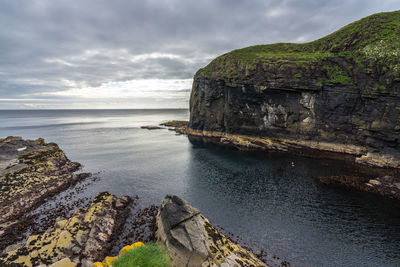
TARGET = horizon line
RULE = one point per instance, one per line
(95, 109)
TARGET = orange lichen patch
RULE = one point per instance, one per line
(98, 264)
(125, 249)
(108, 261)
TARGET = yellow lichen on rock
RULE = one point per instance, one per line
(192, 241)
(10, 138)
(66, 262)
(74, 238)
(125, 249)
(108, 261)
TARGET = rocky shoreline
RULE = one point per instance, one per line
(32, 171)
(386, 186)
(83, 238)
(383, 179)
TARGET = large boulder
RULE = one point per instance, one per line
(192, 241)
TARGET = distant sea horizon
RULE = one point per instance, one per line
(261, 197)
(95, 109)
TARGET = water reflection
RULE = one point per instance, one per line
(270, 203)
(258, 196)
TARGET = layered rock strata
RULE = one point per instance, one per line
(82, 239)
(339, 94)
(30, 172)
(192, 241)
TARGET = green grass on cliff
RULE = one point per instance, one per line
(371, 40)
(151, 255)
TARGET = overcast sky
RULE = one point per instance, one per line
(143, 54)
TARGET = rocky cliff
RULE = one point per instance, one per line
(340, 93)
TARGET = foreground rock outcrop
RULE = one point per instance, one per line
(82, 239)
(338, 94)
(30, 172)
(192, 241)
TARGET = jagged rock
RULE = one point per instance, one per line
(338, 94)
(192, 241)
(84, 238)
(30, 172)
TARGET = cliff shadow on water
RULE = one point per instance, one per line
(279, 207)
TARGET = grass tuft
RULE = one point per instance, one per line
(151, 255)
(372, 40)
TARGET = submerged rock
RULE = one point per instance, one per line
(192, 241)
(83, 238)
(151, 127)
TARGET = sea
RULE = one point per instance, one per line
(260, 197)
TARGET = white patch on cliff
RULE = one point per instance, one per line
(276, 116)
(308, 101)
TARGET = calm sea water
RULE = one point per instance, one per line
(259, 197)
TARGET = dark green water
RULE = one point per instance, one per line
(259, 197)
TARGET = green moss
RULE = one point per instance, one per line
(379, 86)
(398, 108)
(371, 41)
(319, 83)
(151, 255)
(337, 75)
(298, 75)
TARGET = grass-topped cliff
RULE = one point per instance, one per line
(340, 91)
(371, 44)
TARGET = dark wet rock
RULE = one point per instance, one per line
(175, 124)
(192, 241)
(83, 238)
(150, 127)
(386, 186)
(140, 225)
(180, 127)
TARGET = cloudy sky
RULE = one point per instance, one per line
(143, 53)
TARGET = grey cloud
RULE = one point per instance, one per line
(43, 43)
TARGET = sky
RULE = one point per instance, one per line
(96, 54)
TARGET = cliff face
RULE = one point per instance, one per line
(343, 89)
